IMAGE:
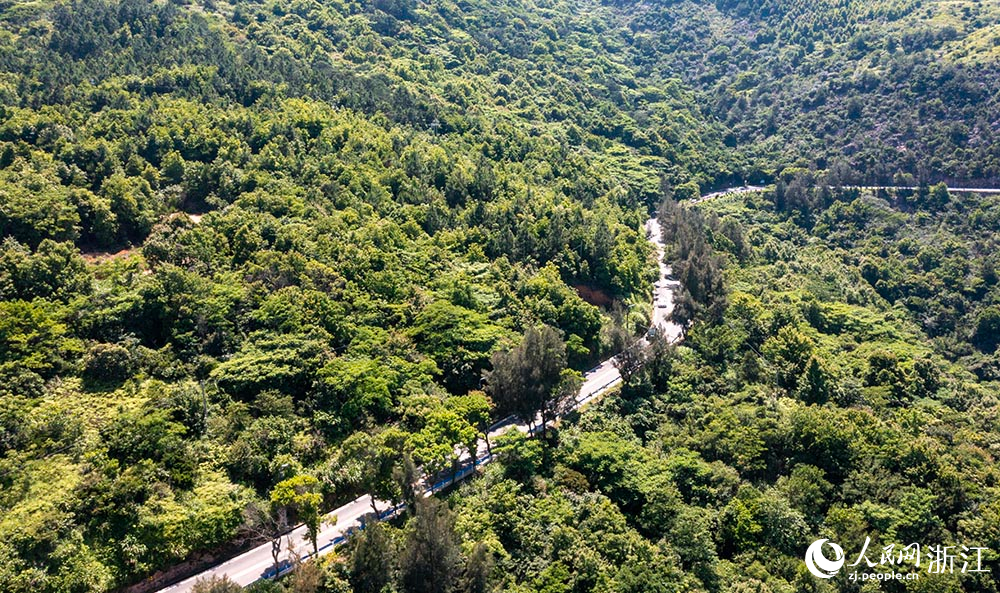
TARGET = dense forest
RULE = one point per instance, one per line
(812, 396)
(889, 91)
(262, 255)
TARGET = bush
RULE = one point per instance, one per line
(216, 585)
(107, 364)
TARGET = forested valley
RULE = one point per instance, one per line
(260, 258)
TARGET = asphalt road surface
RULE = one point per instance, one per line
(755, 188)
(968, 190)
(254, 564)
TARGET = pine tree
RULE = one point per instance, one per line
(430, 562)
(372, 563)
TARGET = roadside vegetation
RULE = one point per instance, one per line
(257, 258)
(814, 405)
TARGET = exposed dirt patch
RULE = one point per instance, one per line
(594, 296)
(97, 256)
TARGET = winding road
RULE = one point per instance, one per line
(258, 563)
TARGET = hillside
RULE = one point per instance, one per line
(260, 258)
(873, 91)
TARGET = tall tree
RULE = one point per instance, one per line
(373, 560)
(477, 570)
(430, 562)
(406, 475)
(365, 464)
(528, 380)
(631, 357)
(300, 494)
(474, 408)
(437, 445)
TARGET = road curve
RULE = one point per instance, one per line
(253, 564)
